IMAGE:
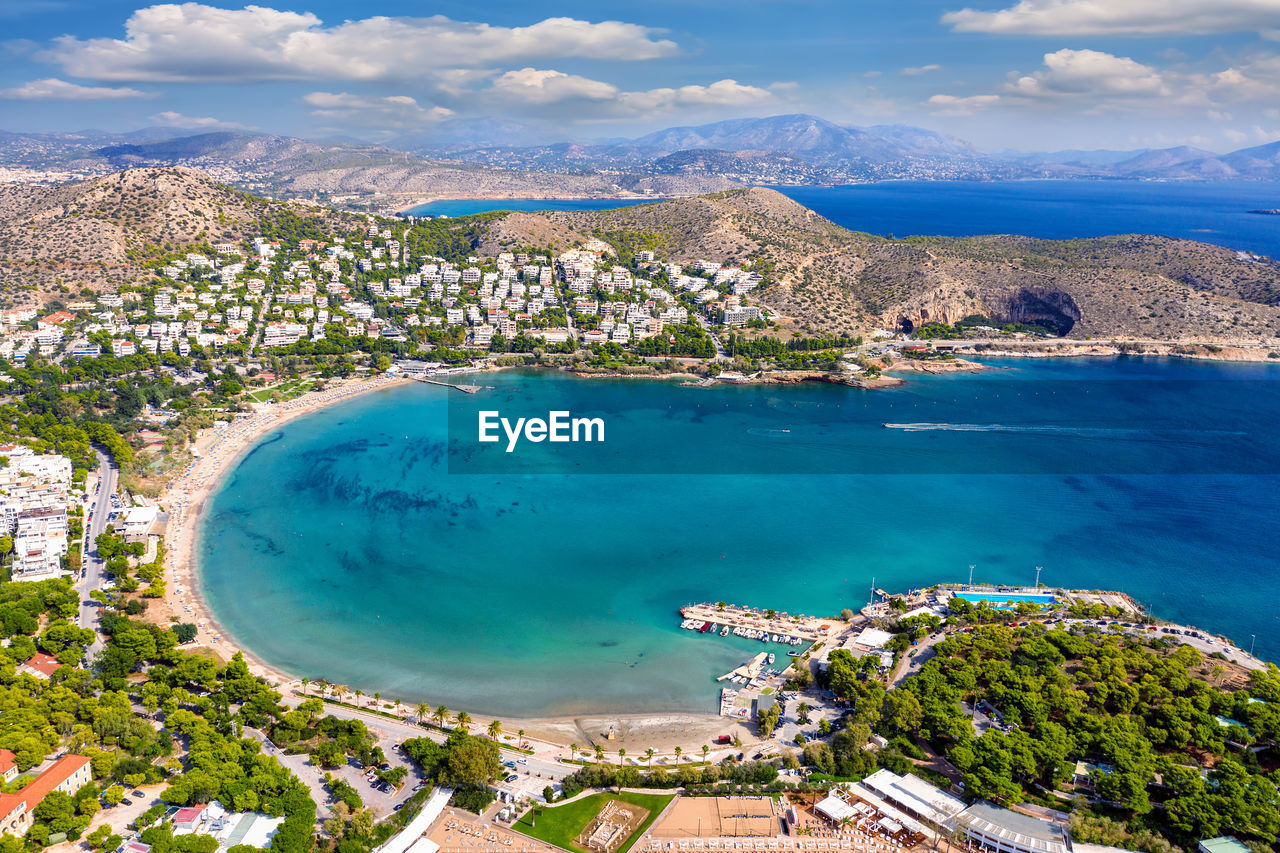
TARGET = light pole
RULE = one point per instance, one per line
(971, 568)
(1038, 568)
(1253, 638)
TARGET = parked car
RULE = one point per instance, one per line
(513, 777)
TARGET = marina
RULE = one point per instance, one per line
(764, 625)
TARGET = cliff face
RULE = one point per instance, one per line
(829, 279)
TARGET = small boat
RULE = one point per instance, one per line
(770, 658)
(725, 631)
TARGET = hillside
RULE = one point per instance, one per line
(97, 233)
(832, 279)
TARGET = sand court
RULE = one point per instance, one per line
(719, 817)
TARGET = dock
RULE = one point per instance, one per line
(465, 389)
(758, 625)
(749, 671)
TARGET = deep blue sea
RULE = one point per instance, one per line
(1210, 212)
(410, 560)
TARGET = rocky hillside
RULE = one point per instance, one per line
(97, 233)
(831, 279)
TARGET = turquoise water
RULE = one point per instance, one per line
(391, 568)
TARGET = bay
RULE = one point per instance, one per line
(393, 567)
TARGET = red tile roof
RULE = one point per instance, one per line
(45, 664)
(40, 787)
(6, 761)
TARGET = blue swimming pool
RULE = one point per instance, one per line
(1007, 597)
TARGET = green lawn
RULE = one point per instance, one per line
(559, 825)
(288, 389)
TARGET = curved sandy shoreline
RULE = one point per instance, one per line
(185, 500)
(220, 449)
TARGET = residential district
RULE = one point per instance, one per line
(1020, 720)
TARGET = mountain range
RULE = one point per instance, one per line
(840, 153)
(474, 158)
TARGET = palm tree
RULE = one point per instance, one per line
(305, 682)
(573, 750)
(705, 750)
(648, 753)
(377, 699)
(359, 697)
(341, 689)
(520, 734)
(495, 729)
(422, 711)
(678, 751)
(599, 753)
(462, 720)
(622, 753)
(441, 714)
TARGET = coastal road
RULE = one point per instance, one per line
(534, 772)
(92, 569)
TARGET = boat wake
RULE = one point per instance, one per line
(1051, 429)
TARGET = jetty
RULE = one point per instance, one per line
(466, 389)
(749, 671)
(757, 624)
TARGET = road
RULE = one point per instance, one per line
(92, 570)
(533, 772)
(720, 353)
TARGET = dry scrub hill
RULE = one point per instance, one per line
(96, 234)
(831, 279)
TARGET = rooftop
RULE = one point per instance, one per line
(1015, 828)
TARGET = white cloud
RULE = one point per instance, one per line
(535, 86)
(193, 42)
(1120, 17)
(918, 70)
(953, 105)
(541, 87)
(1070, 73)
(53, 89)
(723, 93)
(172, 119)
(393, 111)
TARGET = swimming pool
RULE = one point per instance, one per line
(1007, 597)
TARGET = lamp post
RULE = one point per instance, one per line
(1253, 638)
(1038, 569)
(971, 568)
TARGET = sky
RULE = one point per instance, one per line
(1028, 74)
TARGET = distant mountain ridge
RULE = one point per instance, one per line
(478, 158)
(836, 153)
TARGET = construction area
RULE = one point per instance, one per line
(612, 826)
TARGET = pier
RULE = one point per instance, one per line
(465, 389)
(808, 628)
